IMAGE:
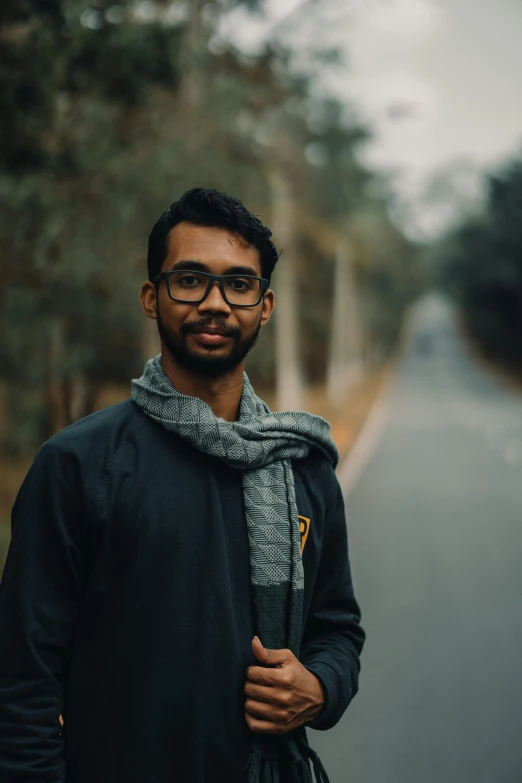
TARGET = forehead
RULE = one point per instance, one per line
(217, 248)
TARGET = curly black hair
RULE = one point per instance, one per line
(208, 207)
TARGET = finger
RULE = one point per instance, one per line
(261, 692)
(265, 727)
(278, 697)
(266, 712)
(271, 657)
(259, 675)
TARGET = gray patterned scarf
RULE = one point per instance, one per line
(261, 444)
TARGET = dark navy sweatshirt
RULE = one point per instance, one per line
(125, 607)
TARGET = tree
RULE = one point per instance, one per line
(482, 269)
(345, 353)
(289, 381)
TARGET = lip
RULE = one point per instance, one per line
(210, 338)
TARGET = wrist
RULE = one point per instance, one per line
(319, 694)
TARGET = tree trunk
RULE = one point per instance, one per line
(192, 76)
(82, 396)
(56, 397)
(3, 417)
(345, 363)
(289, 384)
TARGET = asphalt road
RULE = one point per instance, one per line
(435, 531)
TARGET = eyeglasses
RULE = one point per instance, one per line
(190, 287)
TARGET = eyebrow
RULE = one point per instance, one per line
(199, 266)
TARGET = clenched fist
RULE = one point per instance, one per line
(281, 693)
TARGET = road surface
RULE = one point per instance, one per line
(435, 531)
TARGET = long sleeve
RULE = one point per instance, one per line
(333, 638)
(39, 598)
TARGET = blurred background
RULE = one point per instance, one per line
(382, 142)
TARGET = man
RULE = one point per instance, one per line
(178, 585)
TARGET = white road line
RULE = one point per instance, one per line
(350, 469)
(352, 466)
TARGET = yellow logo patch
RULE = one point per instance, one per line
(304, 529)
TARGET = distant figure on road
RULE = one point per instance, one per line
(178, 585)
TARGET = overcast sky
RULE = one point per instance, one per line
(439, 81)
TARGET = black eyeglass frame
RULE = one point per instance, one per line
(264, 283)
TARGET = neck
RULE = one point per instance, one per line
(221, 393)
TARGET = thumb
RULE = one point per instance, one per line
(269, 657)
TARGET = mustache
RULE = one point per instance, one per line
(208, 323)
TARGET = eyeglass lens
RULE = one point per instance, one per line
(191, 287)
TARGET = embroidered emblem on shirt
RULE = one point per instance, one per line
(304, 528)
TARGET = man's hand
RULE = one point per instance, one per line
(281, 693)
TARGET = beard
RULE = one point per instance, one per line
(211, 363)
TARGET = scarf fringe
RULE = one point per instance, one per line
(320, 775)
(302, 772)
(267, 770)
(319, 770)
(262, 770)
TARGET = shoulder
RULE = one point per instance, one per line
(317, 474)
(317, 466)
(107, 423)
(88, 444)
(72, 465)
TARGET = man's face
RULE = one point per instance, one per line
(232, 331)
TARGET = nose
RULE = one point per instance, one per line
(214, 301)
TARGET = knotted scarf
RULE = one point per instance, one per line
(260, 444)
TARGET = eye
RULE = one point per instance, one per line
(189, 281)
(240, 284)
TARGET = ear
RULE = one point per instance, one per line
(148, 300)
(268, 306)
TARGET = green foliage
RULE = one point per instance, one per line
(123, 62)
(338, 182)
(483, 269)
